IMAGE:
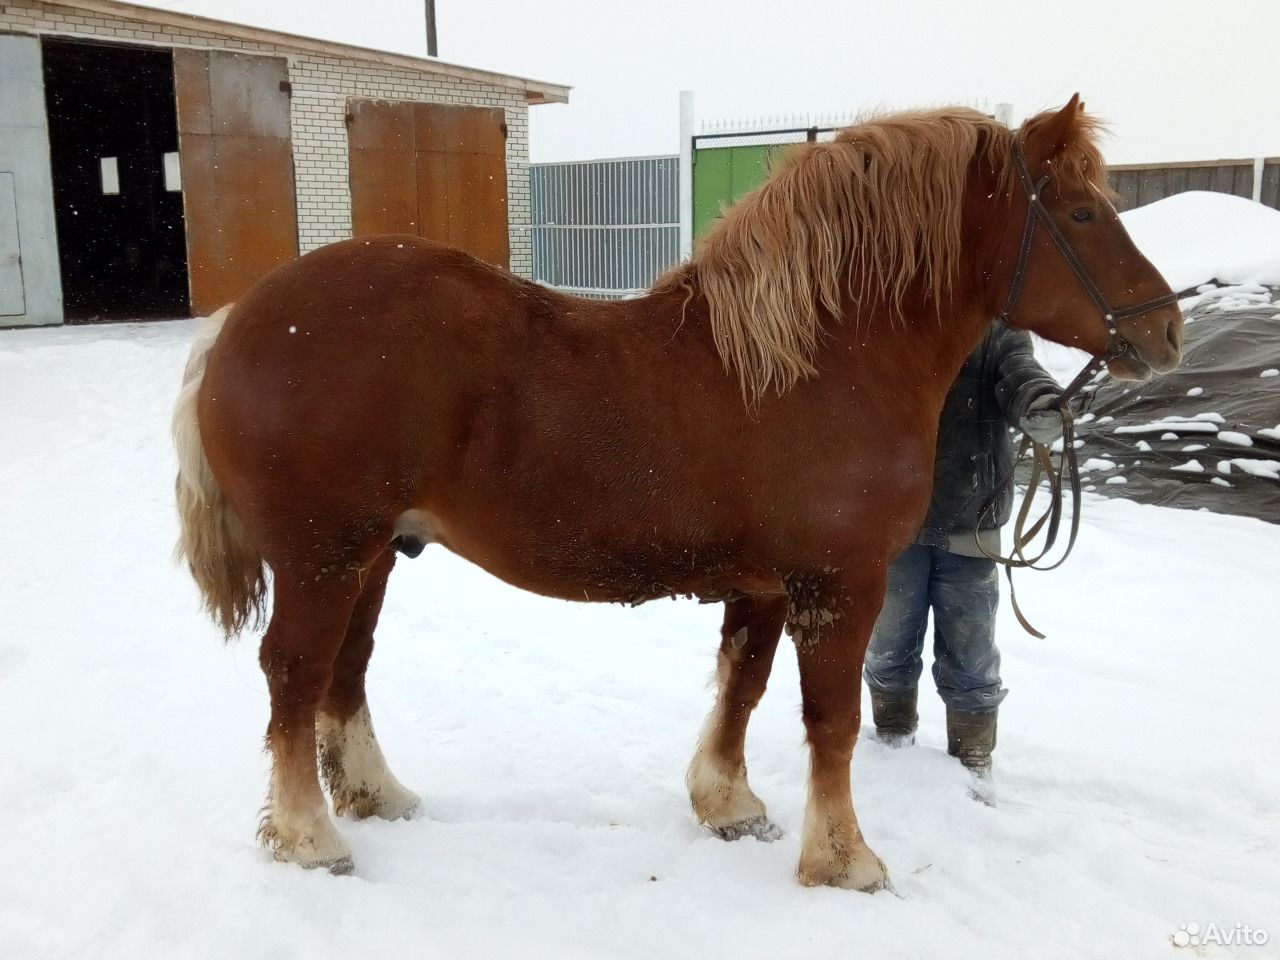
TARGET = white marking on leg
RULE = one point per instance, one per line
(359, 779)
(721, 797)
(832, 850)
(297, 828)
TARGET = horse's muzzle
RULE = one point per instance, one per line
(1153, 344)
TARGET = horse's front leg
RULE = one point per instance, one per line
(830, 619)
(717, 779)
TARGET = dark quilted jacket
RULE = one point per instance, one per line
(996, 386)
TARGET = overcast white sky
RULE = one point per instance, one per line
(1177, 79)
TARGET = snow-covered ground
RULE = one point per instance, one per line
(1138, 760)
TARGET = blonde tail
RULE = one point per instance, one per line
(214, 543)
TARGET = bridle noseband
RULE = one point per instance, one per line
(1042, 464)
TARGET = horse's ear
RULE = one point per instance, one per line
(1047, 138)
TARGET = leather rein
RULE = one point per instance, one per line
(1068, 470)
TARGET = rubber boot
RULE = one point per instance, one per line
(971, 738)
(895, 717)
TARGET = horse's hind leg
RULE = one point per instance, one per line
(717, 779)
(308, 622)
(350, 759)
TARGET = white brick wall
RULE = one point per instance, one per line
(321, 86)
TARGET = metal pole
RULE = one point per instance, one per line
(686, 174)
(431, 27)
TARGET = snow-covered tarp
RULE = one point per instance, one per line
(1207, 435)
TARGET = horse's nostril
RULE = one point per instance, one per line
(1174, 334)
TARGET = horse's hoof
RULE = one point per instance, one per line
(390, 803)
(342, 867)
(400, 804)
(318, 846)
(762, 828)
(338, 866)
(411, 811)
(864, 872)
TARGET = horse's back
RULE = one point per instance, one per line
(389, 374)
(382, 285)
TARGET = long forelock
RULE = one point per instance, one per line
(1078, 161)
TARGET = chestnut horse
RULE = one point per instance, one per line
(759, 430)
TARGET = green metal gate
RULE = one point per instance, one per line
(727, 166)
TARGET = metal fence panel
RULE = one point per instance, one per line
(605, 228)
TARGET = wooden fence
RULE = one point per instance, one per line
(1140, 184)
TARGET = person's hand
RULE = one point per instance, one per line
(1043, 421)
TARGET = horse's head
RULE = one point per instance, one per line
(1067, 268)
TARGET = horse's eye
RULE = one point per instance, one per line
(1082, 215)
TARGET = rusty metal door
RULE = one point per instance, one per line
(435, 170)
(237, 170)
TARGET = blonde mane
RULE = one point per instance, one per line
(869, 215)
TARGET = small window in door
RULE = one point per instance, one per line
(110, 176)
(172, 172)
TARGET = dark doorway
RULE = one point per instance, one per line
(113, 137)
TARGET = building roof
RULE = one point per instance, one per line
(534, 91)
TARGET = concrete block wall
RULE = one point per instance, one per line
(321, 85)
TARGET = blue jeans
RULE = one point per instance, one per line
(963, 593)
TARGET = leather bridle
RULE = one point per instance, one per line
(1042, 464)
(1038, 213)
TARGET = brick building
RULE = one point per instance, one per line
(154, 163)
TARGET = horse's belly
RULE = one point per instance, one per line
(592, 565)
